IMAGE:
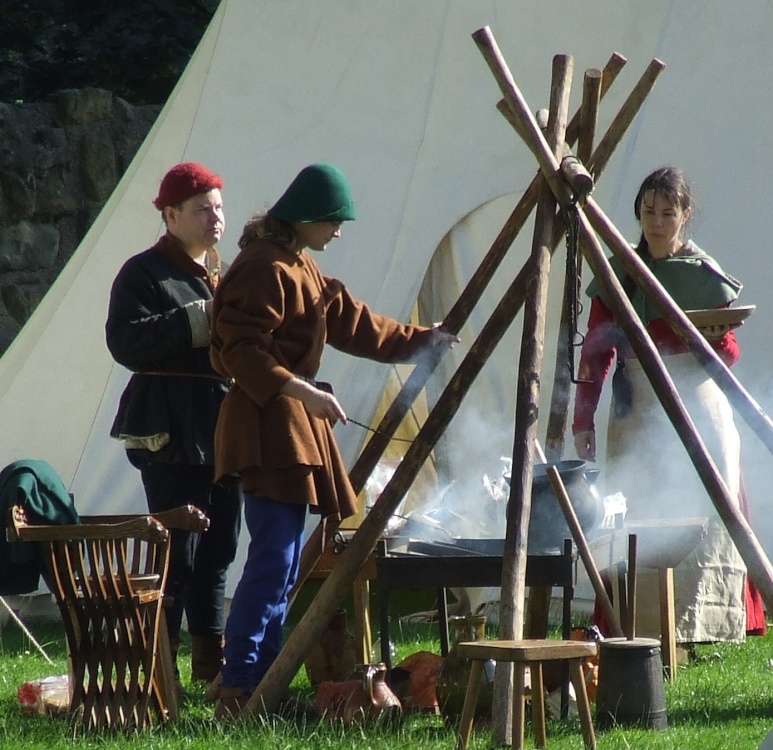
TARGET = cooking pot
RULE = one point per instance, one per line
(547, 525)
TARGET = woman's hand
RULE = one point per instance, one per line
(585, 445)
(718, 332)
(318, 402)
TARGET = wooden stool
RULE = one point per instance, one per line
(520, 654)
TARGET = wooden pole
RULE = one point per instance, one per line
(595, 164)
(748, 546)
(511, 617)
(453, 323)
(591, 99)
(562, 377)
(584, 549)
(266, 697)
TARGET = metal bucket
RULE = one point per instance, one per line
(630, 687)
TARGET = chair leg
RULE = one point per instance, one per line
(519, 705)
(583, 705)
(470, 701)
(538, 704)
(165, 676)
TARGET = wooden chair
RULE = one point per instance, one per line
(107, 575)
(531, 653)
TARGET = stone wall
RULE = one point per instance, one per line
(59, 162)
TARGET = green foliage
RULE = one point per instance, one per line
(135, 49)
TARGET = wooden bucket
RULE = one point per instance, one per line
(630, 687)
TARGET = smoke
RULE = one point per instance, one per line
(647, 461)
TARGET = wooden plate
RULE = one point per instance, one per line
(720, 316)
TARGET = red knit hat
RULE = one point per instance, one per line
(183, 181)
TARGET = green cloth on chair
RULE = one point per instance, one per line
(34, 485)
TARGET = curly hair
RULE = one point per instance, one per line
(266, 227)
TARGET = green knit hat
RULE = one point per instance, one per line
(320, 192)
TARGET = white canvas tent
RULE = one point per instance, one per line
(396, 93)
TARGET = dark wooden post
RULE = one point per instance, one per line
(562, 377)
(512, 598)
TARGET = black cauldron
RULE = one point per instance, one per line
(547, 524)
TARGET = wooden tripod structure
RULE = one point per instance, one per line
(529, 289)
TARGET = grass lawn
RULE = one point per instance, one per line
(723, 699)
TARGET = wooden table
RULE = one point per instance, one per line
(661, 545)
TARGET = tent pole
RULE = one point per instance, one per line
(562, 377)
(511, 617)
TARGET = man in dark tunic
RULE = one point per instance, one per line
(158, 327)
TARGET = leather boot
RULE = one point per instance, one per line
(206, 657)
(231, 703)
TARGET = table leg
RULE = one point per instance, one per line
(442, 616)
(519, 705)
(583, 705)
(537, 703)
(667, 621)
(363, 638)
(470, 702)
(386, 657)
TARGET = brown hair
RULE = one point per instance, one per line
(267, 227)
(673, 185)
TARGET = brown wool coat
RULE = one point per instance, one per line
(272, 315)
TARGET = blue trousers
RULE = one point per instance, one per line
(198, 563)
(253, 631)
